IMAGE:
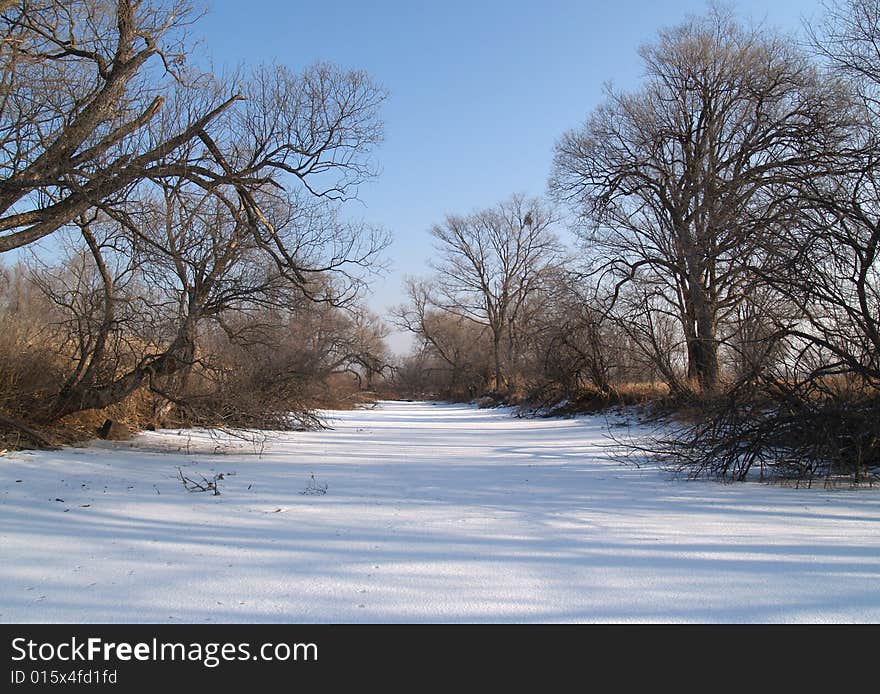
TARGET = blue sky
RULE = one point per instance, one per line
(479, 91)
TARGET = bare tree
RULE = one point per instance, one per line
(830, 263)
(674, 182)
(261, 228)
(806, 340)
(447, 342)
(203, 265)
(365, 353)
(81, 81)
(489, 263)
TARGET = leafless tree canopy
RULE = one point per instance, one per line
(674, 183)
(184, 200)
(488, 265)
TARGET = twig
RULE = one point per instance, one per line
(205, 485)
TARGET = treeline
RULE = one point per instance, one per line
(728, 218)
(505, 316)
(181, 249)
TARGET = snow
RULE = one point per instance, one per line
(420, 512)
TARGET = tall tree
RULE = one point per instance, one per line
(489, 263)
(673, 181)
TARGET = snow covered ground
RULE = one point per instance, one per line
(430, 513)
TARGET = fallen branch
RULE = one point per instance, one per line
(205, 485)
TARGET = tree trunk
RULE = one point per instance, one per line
(496, 354)
(703, 363)
(177, 358)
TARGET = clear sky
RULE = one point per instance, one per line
(480, 90)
